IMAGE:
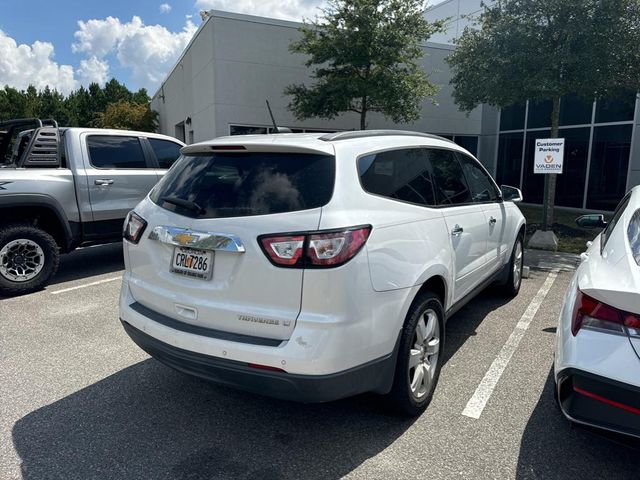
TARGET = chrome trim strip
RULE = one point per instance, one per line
(195, 239)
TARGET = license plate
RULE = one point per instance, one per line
(192, 263)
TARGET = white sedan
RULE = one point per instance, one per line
(597, 363)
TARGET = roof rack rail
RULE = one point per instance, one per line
(354, 134)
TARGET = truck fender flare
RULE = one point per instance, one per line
(43, 201)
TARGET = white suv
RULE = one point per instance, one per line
(311, 267)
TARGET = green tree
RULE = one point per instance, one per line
(53, 104)
(12, 103)
(115, 92)
(545, 49)
(128, 116)
(365, 54)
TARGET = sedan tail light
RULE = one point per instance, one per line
(134, 227)
(591, 313)
(320, 249)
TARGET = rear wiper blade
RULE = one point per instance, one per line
(193, 206)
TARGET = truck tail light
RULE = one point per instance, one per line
(320, 249)
(134, 227)
(591, 313)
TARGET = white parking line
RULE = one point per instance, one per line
(479, 400)
(99, 282)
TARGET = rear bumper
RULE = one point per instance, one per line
(375, 376)
(599, 401)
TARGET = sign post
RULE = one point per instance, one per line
(549, 160)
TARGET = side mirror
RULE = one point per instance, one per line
(511, 194)
(591, 221)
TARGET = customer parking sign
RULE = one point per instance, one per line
(549, 155)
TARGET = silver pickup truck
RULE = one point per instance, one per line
(61, 188)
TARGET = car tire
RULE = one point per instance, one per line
(421, 347)
(515, 266)
(29, 257)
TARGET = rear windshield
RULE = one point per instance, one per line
(223, 185)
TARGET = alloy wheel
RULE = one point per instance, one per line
(423, 355)
(21, 260)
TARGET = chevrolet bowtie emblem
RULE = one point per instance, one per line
(184, 238)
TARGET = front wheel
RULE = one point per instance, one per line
(28, 259)
(419, 356)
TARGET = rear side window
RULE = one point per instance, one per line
(115, 152)
(223, 185)
(482, 188)
(451, 185)
(166, 152)
(403, 175)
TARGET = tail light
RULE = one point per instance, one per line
(591, 313)
(134, 227)
(321, 249)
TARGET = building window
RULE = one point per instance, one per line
(468, 142)
(512, 118)
(539, 113)
(609, 164)
(619, 109)
(247, 130)
(263, 130)
(509, 159)
(570, 185)
(575, 110)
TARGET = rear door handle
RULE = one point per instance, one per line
(492, 221)
(457, 230)
(103, 182)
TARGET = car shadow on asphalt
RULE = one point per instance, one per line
(463, 325)
(552, 448)
(89, 262)
(148, 421)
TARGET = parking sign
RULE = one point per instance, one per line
(549, 155)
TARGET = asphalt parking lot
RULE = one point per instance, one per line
(80, 400)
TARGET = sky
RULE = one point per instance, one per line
(68, 43)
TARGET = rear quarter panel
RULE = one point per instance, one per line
(408, 243)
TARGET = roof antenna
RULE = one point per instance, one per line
(276, 128)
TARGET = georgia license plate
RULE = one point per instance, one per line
(192, 263)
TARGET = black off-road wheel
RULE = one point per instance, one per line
(29, 257)
(419, 356)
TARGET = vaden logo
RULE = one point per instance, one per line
(549, 155)
(2, 185)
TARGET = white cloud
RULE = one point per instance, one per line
(24, 65)
(287, 10)
(165, 8)
(93, 70)
(147, 50)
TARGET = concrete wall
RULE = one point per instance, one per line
(235, 62)
(460, 14)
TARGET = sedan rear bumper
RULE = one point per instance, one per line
(375, 376)
(599, 401)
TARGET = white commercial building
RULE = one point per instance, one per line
(236, 62)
